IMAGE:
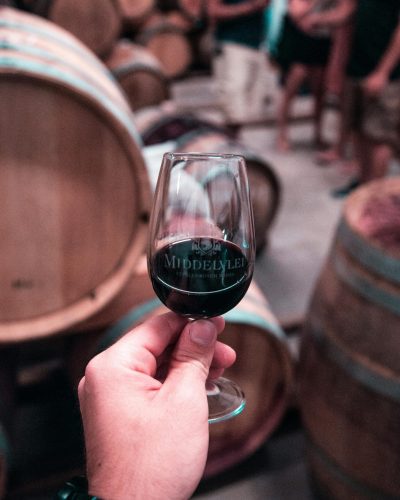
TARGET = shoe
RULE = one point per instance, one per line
(347, 189)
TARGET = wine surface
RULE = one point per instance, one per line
(201, 277)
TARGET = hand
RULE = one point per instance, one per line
(146, 435)
(374, 84)
(297, 9)
(309, 22)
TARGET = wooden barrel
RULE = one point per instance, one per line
(35, 36)
(74, 189)
(263, 367)
(264, 184)
(349, 369)
(168, 43)
(192, 9)
(191, 16)
(139, 73)
(158, 124)
(134, 12)
(97, 23)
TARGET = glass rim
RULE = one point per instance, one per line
(198, 155)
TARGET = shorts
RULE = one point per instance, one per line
(378, 118)
(239, 73)
(296, 46)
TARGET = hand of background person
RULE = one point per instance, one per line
(374, 84)
(297, 9)
(309, 22)
(144, 409)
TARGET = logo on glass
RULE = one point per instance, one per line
(206, 246)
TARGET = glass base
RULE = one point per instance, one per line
(225, 400)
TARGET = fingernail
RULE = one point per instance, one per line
(203, 332)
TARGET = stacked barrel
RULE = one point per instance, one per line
(160, 40)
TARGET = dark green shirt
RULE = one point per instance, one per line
(248, 30)
(375, 24)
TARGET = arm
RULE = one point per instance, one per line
(217, 10)
(297, 9)
(331, 18)
(378, 79)
(144, 408)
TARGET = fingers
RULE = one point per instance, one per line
(224, 356)
(154, 334)
(144, 348)
(194, 352)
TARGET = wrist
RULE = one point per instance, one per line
(75, 489)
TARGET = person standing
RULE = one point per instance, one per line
(373, 83)
(239, 61)
(303, 55)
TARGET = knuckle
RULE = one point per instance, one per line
(187, 358)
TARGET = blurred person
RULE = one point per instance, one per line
(275, 14)
(336, 98)
(239, 62)
(144, 409)
(373, 82)
(303, 54)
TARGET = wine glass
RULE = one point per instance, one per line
(201, 247)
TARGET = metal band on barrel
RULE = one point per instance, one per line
(371, 257)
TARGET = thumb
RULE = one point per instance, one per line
(193, 353)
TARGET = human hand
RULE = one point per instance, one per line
(374, 84)
(297, 9)
(309, 22)
(147, 438)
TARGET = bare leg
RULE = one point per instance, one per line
(360, 165)
(295, 77)
(380, 156)
(337, 151)
(344, 138)
(317, 76)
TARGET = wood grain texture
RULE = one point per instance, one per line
(74, 192)
(139, 73)
(349, 370)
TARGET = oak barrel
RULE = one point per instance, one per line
(265, 189)
(163, 123)
(74, 188)
(349, 368)
(168, 43)
(263, 367)
(97, 23)
(139, 73)
(36, 37)
(192, 9)
(134, 12)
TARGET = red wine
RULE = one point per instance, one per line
(200, 277)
